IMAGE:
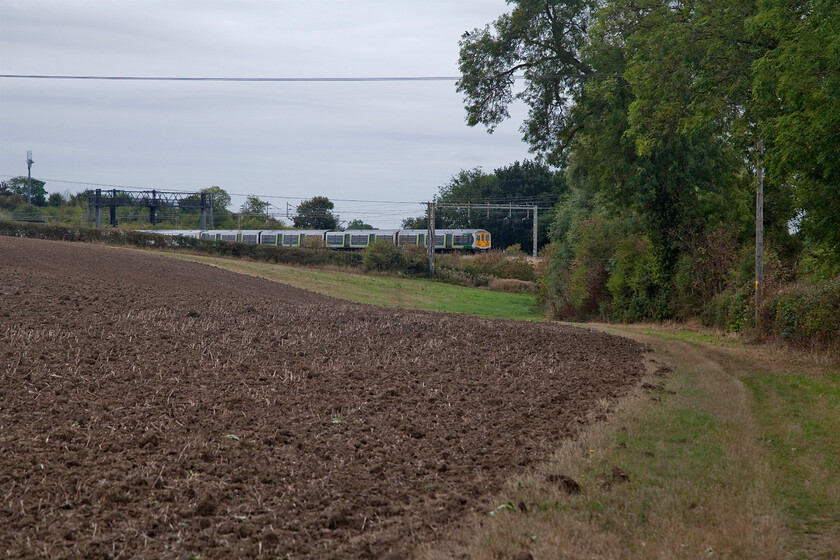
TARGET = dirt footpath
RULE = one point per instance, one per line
(154, 408)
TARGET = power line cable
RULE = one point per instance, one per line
(244, 79)
(173, 190)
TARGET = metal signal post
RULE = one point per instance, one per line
(29, 163)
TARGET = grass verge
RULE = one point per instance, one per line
(386, 291)
(731, 452)
(799, 419)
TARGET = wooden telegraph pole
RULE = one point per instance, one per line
(430, 236)
(535, 231)
(759, 231)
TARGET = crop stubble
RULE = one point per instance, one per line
(151, 407)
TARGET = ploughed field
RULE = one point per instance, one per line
(156, 408)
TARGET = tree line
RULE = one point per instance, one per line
(255, 213)
(659, 115)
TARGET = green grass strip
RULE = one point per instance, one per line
(799, 419)
(386, 291)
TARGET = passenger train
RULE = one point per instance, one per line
(445, 239)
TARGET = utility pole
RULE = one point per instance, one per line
(29, 163)
(759, 230)
(430, 236)
(535, 231)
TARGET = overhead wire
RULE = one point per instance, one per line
(539, 200)
(246, 79)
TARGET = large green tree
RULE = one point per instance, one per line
(662, 114)
(221, 203)
(316, 213)
(20, 186)
(797, 84)
(543, 40)
(610, 93)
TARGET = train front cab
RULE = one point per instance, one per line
(482, 239)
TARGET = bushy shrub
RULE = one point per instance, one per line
(493, 263)
(417, 259)
(578, 277)
(731, 310)
(461, 277)
(804, 314)
(517, 268)
(704, 270)
(635, 282)
(382, 256)
(512, 286)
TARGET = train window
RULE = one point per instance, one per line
(208, 236)
(408, 239)
(290, 239)
(358, 239)
(384, 238)
(337, 239)
(228, 237)
(249, 238)
(464, 239)
(439, 239)
(269, 239)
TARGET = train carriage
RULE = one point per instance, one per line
(251, 236)
(291, 238)
(194, 233)
(445, 239)
(359, 238)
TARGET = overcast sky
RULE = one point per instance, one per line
(370, 141)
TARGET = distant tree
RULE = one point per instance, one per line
(18, 185)
(359, 224)
(221, 202)
(55, 200)
(254, 206)
(316, 213)
(255, 214)
(419, 222)
(81, 199)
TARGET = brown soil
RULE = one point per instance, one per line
(153, 408)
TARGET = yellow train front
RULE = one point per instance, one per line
(448, 239)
